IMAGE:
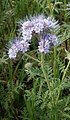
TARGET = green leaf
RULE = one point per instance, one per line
(68, 54)
(67, 109)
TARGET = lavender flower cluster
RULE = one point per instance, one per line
(18, 45)
(47, 41)
(42, 27)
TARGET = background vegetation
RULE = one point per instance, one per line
(23, 91)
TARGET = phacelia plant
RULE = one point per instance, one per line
(41, 27)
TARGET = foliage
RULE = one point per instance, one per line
(24, 92)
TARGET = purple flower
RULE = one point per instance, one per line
(24, 46)
(49, 23)
(47, 42)
(26, 30)
(13, 51)
(53, 39)
(16, 46)
(38, 24)
(44, 45)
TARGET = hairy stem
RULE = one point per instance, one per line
(55, 64)
(46, 77)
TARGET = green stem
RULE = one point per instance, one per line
(32, 58)
(65, 71)
(50, 7)
(55, 64)
(46, 77)
(65, 16)
(55, 52)
(59, 90)
(17, 66)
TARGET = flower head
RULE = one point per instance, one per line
(12, 51)
(16, 46)
(26, 30)
(24, 46)
(53, 39)
(38, 24)
(44, 45)
(49, 23)
(46, 42)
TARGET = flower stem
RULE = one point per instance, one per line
(46, 77)
(59, 90)
(65, 71)
(32, 58)
(50, 7)
(54, 66)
